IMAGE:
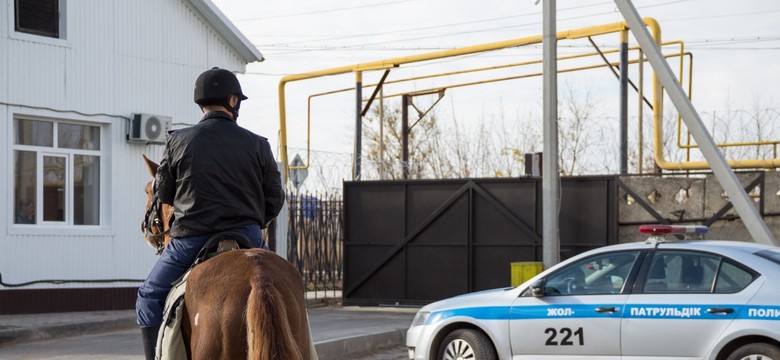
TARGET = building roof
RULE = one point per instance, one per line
(224, 27)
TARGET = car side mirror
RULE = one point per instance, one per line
(537, 288)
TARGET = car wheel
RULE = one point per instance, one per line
(467, 344)
(756, 351)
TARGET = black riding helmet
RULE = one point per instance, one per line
(217, 84)
(214, 87)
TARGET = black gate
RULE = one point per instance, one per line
(413, 242)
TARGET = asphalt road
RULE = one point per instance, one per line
(391, 353)
(122, 345)
(119, 345)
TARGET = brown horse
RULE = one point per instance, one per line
(242, 304)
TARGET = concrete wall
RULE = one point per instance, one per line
(693, 200)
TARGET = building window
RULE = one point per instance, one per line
(56, 173)
(38, 17)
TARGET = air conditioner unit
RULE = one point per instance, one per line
(151, 129)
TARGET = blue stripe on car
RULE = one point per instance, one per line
(633, 311)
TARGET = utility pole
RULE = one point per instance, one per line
(551, 249)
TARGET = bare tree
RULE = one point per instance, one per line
(516, 138)
(578, 131)
(422, 135)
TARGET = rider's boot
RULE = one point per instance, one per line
(149, 338)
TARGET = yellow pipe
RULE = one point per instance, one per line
(658, 131)
(568, 57)
(679, 121)
(395, 62)
(283, 135)
(571, 34)
(530, 62)
(588, 67)
(309, 99)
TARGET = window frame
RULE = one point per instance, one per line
(67, 226)
(642, 278)
(64, 24)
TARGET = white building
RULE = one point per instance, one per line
(73, 75)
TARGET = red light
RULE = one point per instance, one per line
(673, 229)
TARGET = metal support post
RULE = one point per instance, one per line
(640, 113)
(551, 252)
(358, 124)
(623, 102)
(717, 162)
(382, 133)
(282, 223)
(405, 135)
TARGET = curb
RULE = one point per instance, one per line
(340, 348)
(14, 336)
(326, 349)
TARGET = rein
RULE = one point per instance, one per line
(152, 225)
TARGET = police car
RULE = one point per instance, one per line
(661, 299)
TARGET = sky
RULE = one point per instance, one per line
(735, 46)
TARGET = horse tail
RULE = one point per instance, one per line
(269, 334)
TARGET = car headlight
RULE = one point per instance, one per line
(420, 318)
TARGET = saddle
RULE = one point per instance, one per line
(219, 243)
(170, 344)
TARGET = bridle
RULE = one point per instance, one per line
(152, 225)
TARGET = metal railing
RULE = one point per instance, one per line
(315, 241)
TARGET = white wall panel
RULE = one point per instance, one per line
(4, 19)
(36, 74)
(5, 193)
(120, 57)
(4, 60)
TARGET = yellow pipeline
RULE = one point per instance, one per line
(530, 62)
(453, 86)
(395, 62)
(658, 131)
(679, 118)
(571, 34)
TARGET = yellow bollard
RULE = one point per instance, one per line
(522, 271)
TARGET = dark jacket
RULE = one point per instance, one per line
(218, 176)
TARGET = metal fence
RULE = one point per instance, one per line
(417, 241)
(315, 238)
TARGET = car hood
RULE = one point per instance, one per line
(486, 298)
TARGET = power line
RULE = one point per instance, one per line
(705, 42)
(459, 32)
(341, 37)
(740, 48)
(321, 11)
(690, 43)
(721, 16)
(357, 48)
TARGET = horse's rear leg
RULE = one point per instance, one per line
(217, 331)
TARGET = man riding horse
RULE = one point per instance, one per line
(217, 176)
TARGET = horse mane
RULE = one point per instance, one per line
(166, 209)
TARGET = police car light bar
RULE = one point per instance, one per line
(673, 229)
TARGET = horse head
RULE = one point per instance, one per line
(156, 223)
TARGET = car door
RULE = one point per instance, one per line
(682, 303)
(575, 312)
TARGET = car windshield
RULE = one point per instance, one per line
(770, 254)
(599, 274)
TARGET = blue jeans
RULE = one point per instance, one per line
(177, 257)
